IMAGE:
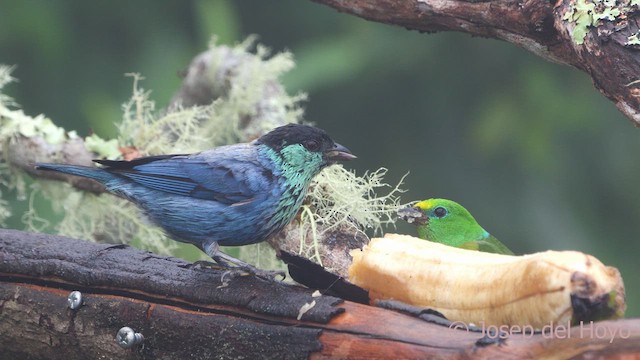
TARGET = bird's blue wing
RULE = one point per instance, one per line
(228, 177)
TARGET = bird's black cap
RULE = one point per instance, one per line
(312, 138)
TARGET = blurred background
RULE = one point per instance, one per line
(531, 148)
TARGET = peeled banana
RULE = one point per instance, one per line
(536, 290)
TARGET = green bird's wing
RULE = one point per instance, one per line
(491, 245)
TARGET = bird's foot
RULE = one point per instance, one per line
(251, 270)
(273, 274)
(234, 272)
(236, 267)
(203, 264)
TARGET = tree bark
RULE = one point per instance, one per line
(188, 312)
(607, 52)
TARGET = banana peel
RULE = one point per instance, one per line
(536, 290)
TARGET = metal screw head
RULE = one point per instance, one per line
(127, 338)
(74, 300)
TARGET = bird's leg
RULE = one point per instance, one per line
(236, 266)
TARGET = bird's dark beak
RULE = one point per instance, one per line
(413, 215)
(338, 153)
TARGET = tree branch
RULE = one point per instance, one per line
(606, 53)
(186, 312)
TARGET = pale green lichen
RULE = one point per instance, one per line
(110, 219)
(108, 149)
(252, 93)
(225, 120)
(6, 102)
(591, 13)
(5, 209)
(31, 218)
(14, 122)
(176, 132)
(633, 40)
(339, 197)
(6, 78)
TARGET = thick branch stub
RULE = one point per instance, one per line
(527, 24)
(197, 88)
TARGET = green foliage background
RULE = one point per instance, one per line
(540, 158)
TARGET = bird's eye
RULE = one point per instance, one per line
(440, 212)
(312, 145)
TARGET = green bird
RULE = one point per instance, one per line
(447, 222)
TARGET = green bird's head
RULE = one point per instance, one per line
(444, 221)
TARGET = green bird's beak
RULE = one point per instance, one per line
(413, 215)
(338, 153)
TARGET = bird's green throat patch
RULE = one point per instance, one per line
(298, 165)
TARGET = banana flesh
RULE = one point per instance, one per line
(536, 290)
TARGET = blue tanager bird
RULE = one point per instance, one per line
(230, 195)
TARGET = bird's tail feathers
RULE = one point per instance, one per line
(84, 171)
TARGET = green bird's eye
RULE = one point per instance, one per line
(440, 212)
